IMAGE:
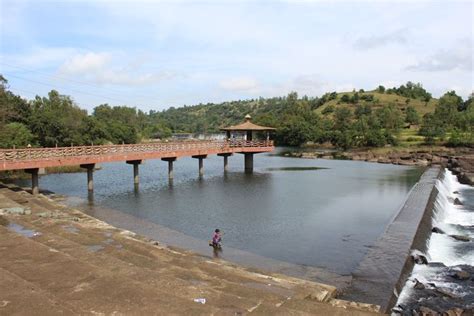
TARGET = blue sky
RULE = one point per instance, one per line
(157, 54)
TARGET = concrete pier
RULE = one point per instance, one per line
(90, 175)
(226, 161)
(201, 164)
(135, 164)
(170, 166)
(34, 180)
(248, 162)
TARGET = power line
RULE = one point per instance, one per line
(73, 81)
(78, 91)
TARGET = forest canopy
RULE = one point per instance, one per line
(346, 120)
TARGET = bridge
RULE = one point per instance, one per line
(32, 159)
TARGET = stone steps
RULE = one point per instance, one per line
(219, 290)
(70, 279)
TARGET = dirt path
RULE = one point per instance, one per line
(57, 260)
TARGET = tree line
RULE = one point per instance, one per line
(345, 120)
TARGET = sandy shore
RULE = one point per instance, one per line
(58, 260)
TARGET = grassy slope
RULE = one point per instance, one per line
(383, 99)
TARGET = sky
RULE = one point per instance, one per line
(156, 54)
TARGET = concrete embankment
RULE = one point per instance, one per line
(57, 260)
(384, 270)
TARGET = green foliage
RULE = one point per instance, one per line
(345, 98)
(412, 116)
(15, 135)
(328, 109)
(411, 90)
(371, 122)
(56, 120)
(390, 118)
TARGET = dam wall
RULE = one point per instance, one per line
(382, 273)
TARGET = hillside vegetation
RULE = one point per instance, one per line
(405, 115)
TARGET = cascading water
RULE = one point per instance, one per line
(447, 281)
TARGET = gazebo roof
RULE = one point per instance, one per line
(247, 126)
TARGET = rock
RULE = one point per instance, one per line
(419, 259)
(446, 292)
(457, 202)
(3, 221)
(418, 285)
(437, 230)
(456, 192)
(425, 311)
(456, 171)
(15, 211)
(384, 160)
(461, 275)
(453, 312)
(460, 238)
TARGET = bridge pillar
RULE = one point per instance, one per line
(135, 164)
(226, 161)
(201, 164)
(170, 166)
(248, 162)
(90, 175)
(34, 180)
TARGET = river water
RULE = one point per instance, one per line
(291, 212)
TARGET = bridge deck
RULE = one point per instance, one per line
(16, 159)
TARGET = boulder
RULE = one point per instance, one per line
(418, 285)
(460, 238)
(457, 201)
(454, 312)
(419, 259)
(461, 275)
(425, 311)
(437, 230)
(456, 170)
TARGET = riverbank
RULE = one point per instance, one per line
(459, 160)
(55, 259)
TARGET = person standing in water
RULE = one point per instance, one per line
(216, 239)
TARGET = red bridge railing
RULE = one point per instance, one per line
(11, 155)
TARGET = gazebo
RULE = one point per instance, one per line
(248, 129)
(252, 146)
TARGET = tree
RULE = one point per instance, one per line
(56, 120)
(345, 98)
(381, 89)
(15, 135)
(390, 118)
(412, 116)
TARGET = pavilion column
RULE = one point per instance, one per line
(201, 164)
(135, 163)
(34, 180)
(248, 162)
(170, 167)
(90, 175)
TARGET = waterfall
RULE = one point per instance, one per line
(453, 214)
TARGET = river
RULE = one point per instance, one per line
(297, 214)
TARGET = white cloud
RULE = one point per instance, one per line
(368, 42)
(99, 67)
(459, 57)
(85, 63)
(240, 84)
